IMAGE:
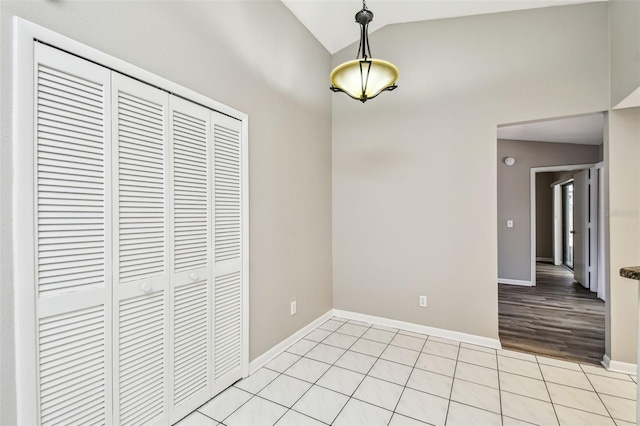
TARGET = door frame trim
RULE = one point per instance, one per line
(532, 205)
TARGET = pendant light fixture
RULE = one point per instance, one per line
(364, 78)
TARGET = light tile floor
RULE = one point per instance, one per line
(350, 373)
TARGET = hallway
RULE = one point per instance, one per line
(557, 318)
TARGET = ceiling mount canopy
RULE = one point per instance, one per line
(364, 78)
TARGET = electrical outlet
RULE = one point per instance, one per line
(293, 307)
(423, 301)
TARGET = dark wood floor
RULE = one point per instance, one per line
(557, 318)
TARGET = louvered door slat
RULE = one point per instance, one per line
(190, 158)
(62, 395)
(227, 234)
(192, 257)
(141, 147)
(191, 357)
(72, 228)
(57, 157)
(143, 348)
(141, 257)
(227, 192)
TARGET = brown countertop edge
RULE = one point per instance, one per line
(631, 272)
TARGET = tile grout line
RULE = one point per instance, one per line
(322, 375)
(367, 373)
(280, 373)
(393, 412)
(553, 403)
(561, 384)
(500, 390)
(600, 398)
(548, 392)
(452, 384)
(377, 358)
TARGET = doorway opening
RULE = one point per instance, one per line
(551, 297)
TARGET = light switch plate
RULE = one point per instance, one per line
(509, 224)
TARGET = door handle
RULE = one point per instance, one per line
(572, 232)
(194, 276)
(146, 287)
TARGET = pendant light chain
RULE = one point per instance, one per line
(363, 17)
(366, 29)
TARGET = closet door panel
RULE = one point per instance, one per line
(191, 257)
(72, 261)
(141, 252)
(228, 222)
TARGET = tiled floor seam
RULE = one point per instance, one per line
(585, 411)
(453, 382)
(409, 378)
(315, 383)
(283, 373)
(499, 391)
(204, 414)
(322, 375)
(594, 388)
(303, 394)
(548, 392)
(367, 373)
(362, 353)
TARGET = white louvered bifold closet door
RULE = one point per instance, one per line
(191, 257)
(228, 222)
(138, 248)
(141, 252)
(72, 239)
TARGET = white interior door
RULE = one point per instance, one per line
(72, 241)
(557, 225)
(601, 238)
(581, 227)
(593, 228)
(228, 250)
(191, 347)
(141, 254)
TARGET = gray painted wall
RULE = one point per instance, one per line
(625, 48)
(622, 174)
(544, 215)
(272, 69)
(415, 170)
(514, 244)
(622, 224)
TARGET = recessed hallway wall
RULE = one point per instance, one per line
(514, 244)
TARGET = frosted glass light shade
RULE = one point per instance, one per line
(364, 79)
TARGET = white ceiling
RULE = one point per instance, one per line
(332, 21)
(587, 129)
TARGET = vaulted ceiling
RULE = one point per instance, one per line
(332, 21)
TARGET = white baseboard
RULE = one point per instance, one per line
(514, 282)
(544, 259)
(263, 359)
(618, 366)
(431, 331)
